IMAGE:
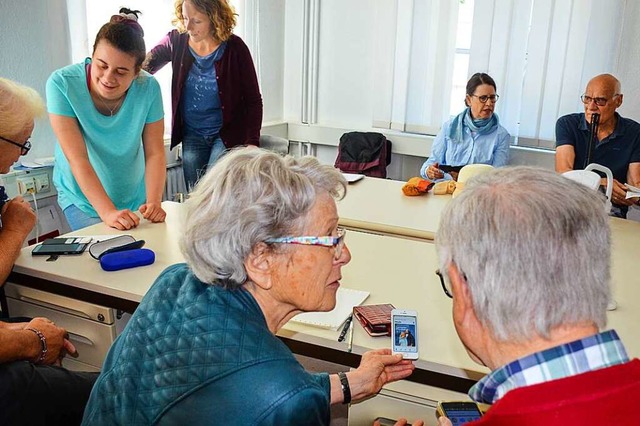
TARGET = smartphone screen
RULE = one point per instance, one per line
(460, 413)
(449, 169)
(52, 249)
(405, 333)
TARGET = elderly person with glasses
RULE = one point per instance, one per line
(34, 389)
(262, 244)
(474, 136)
(617, 144)
(529, 300)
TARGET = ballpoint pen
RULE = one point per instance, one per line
(350, 346)
(347, 323)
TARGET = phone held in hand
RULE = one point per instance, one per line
(404, 333)
(448, 169)
(459, 412)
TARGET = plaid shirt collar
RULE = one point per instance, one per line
(591, 353)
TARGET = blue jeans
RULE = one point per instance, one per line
(199, 153)
(77, 219)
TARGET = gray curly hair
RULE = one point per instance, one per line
(249, 196)
(535, 248)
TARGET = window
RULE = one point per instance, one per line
(461, 58)
(540, 52)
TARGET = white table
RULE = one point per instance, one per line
(379, 205)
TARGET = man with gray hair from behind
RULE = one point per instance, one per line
(525, 255)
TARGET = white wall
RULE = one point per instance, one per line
(272, 32)
(34, 42)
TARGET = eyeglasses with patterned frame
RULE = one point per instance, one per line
(599, 101)
(336, 242)
(484, 98)
(24, 148)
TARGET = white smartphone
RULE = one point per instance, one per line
(404, 333)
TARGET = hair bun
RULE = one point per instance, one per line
(131, 16)
(128, 17)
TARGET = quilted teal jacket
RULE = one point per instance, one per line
(197, 354)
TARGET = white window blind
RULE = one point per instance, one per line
(541, 54)
(413, 78)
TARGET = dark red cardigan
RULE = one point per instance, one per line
(237, 86)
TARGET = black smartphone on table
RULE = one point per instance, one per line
(57, 249)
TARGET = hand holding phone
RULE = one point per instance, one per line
(450, 169)
(459, 412)
(434, 172)
(404, 333)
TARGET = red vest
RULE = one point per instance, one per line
(609, 396)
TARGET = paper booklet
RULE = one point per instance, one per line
(346, 299)
(352, 177)
(632, 191)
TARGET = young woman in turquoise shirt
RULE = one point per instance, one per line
(108, 118)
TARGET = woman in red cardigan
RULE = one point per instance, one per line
(216, 101)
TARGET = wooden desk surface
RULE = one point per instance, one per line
(83, 273)
(394, 270)
(401, 272)
(379, 205)
(625, 281)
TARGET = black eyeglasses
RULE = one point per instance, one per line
(445, 288)
(444, 285)
(599, 101)
(485, 98)
(24, 148)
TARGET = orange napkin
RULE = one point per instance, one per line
(416, 186)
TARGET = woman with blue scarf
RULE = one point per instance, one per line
(474, 136)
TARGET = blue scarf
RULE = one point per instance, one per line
(482, 126)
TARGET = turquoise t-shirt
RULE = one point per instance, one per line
(114, 144)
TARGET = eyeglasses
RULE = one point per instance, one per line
(445, 288)
(24, 148)
(329, 241)
(444, 285)
(485, 98)
(599, 101)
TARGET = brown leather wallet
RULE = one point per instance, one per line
(375, 319)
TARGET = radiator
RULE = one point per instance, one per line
(175, 189)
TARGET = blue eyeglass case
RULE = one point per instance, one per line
(127, 259)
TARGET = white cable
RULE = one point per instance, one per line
(35, 205)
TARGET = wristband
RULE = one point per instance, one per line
(43, 344)
(346, 390)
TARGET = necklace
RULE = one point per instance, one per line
(111, 110)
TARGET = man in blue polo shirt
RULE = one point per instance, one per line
(618, 140)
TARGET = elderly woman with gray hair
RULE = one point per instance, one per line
(262, 244)
(34, 388)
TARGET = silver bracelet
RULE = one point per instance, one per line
(43, 344)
